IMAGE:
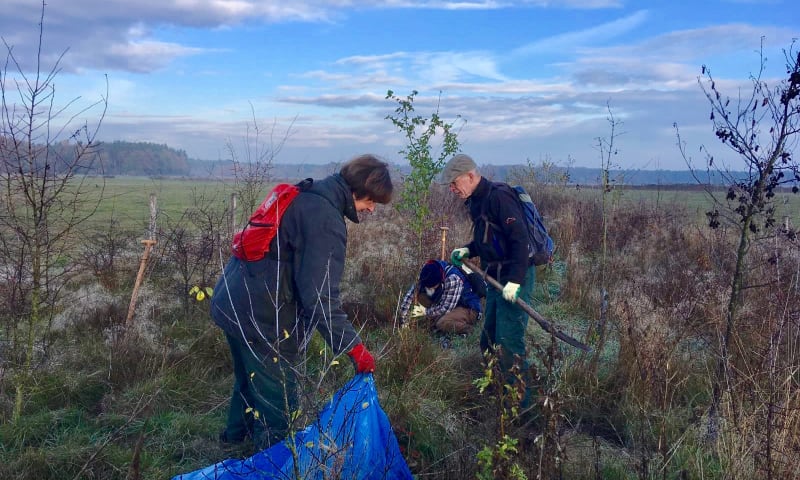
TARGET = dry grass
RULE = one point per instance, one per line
(637, 412)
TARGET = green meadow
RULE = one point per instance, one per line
(127, 199)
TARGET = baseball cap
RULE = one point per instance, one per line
(458, 165)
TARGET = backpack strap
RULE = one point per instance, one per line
(488, 225)
(484, 205)
(305, 184)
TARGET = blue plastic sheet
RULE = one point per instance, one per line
(351, 439)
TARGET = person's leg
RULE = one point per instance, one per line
(512, 322)
(239, 422)
(273, 384)
(458, 320)
(488, 332)
(273, 393)
(510, 333)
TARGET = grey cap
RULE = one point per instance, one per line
(456, 166)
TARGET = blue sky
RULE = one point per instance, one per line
(522, 80)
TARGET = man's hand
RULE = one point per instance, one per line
(363, 360)
(458, 254)
(418, 311)
(511, 291)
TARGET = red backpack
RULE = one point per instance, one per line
(252, 242)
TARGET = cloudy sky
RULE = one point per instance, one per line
(524, 80)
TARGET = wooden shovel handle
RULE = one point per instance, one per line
(544, 323)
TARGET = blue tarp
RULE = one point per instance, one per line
(352, 439)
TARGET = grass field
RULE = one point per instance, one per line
(118, 401)
(699, 202)
(127, 199)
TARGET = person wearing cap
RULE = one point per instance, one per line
(500, 239)
(444, 297)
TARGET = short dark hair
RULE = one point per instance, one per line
(368, 177)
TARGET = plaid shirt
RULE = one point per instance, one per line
(451, 293)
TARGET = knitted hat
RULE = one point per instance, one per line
(431, 274)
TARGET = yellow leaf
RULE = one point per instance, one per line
(193, 290)
(248, 409)
(209, 292)
(309, 444)
(274, 359)
(200, 296)
(285, 334)
(335, 362)
(252, 374)
(256, 414)
(365, 405)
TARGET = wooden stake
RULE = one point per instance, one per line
(148, 245)
(232, 217)
(444, 241)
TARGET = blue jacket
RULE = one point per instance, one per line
(444, 300)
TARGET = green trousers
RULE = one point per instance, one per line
(264, 395)
(504, 325)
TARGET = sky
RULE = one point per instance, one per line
(522, 81)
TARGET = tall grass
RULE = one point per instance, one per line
(640, 414)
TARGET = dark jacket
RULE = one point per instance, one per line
(276, 303)
(503, 243)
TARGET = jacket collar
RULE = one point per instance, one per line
(336, 190)
(481, 191)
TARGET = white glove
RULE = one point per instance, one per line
(418, 311)
(466, 269)
(458, 254)
(511, 291)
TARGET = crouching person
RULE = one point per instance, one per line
(444, 298)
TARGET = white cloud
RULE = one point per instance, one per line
(567, 42)
(507, 98)
(689, 44)
(400, 69)
(88, 25)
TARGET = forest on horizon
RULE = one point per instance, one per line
(159, 160)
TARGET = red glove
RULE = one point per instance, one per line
(364, 361)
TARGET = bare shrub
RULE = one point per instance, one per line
(103, 252)
(46, 154)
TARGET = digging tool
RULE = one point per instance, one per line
(546, 325)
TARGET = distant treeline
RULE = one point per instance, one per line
(120, 158)
(148, 159)
(154, 160)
